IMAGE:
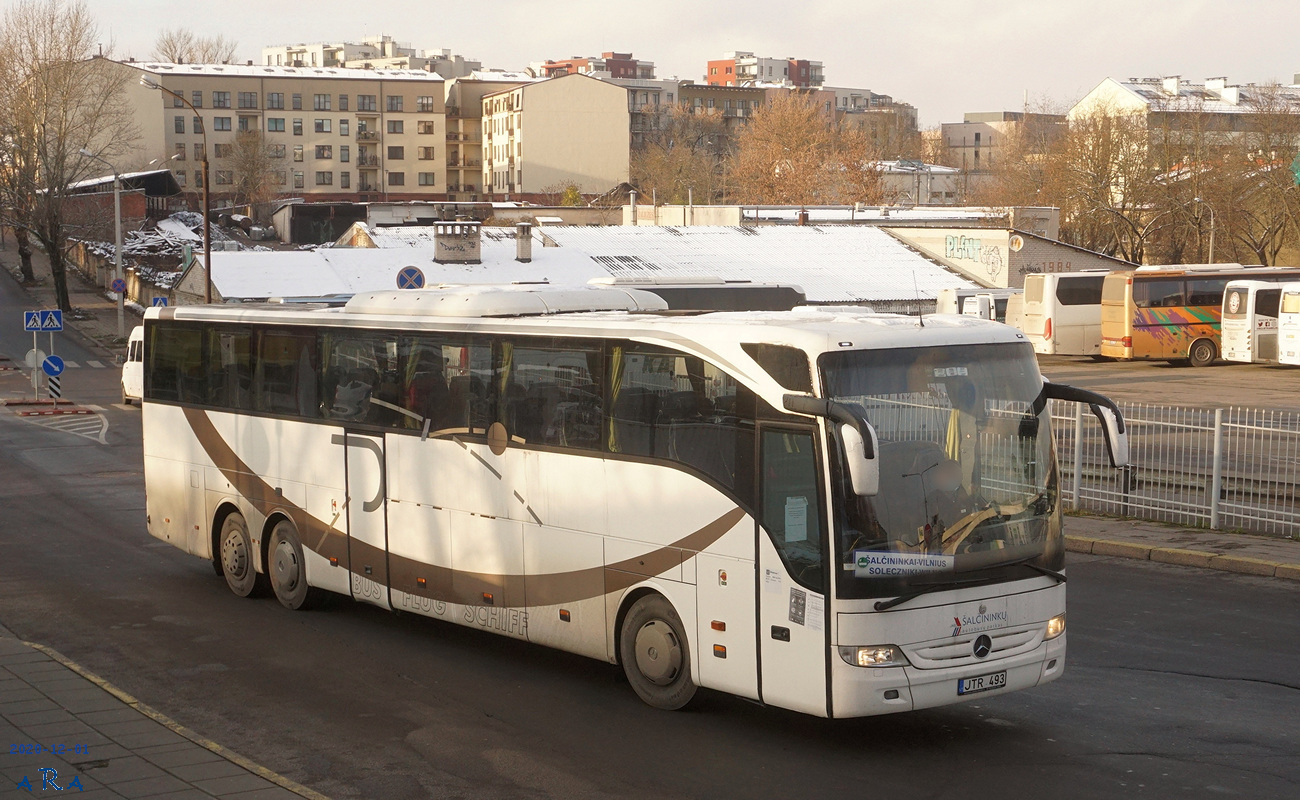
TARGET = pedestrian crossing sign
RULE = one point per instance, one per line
(42, 321)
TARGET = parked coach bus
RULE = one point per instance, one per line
(1249, 327)
(1062, 312)
(1171, 313)
(836, 512)
(1288, 325)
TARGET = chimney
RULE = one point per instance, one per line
(1172, 85)
(456, 243)
(524, 242)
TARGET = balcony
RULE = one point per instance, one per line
(367, 161)
(364, 187)
(367, 136)
(462, 137)
(464, 162)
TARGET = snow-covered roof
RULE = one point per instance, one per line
(500, 75)
(929, 214)
(1215, 96)
(263, 71)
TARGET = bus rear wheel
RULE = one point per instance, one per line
(288, 569)
(655, 656)
(236, 549)
(1202, 353)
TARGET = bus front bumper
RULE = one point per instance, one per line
(864, 691)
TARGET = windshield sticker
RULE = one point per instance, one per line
(798, 605)
(987, 616)
(950, 372)
(772, 581)
(816, 611)
(884, 564)
(796, 519)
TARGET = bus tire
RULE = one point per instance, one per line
(237, 556)
(1202, 353)
(655, 655)
(287, 569)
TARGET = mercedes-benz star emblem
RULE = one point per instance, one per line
(983, 646)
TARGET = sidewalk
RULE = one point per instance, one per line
(94, 315)
(96, 738)
(1154, 541)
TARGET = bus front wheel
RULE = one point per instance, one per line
(655, 655)
(1202, 353)
(237, 556)
(288, 569)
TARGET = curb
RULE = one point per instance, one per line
(1241, 565)
(176, 727)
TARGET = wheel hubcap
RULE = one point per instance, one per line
(658, 653)
(286, 567)
(234, 555)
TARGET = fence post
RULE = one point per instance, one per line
(1216, 480)
(1078, 453)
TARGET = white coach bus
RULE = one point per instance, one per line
(1062, 312)
(832, 511)
(1249, 328)
(1288, 325)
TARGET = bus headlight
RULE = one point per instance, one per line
(1055, 626)
(880, 655)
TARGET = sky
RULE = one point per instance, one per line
(946, 57)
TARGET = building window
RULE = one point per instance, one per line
(275, 100)
(324, 178)
(196, 99)
(343, 102)
(277, 151)
(198, 151)
(345, 180)
(396, 153)
(221, 123)
(395, 102)
(366, 102)
(177, 102)
(345, 153)
(297, 102)
(223, 177)
(324, 151)
(343, 127)
(248, 99)
(427, 154)
(297, 127)
(247, 123)
(275, 124)
(198, 179)
(321, 102)
(427, 179)
(221, 99)
(425, 126)
(299, 180)
(424, 104)
(396, 126)
(222, 150)
(281, 177)
(397, 179)
(198, 124)
(323, 126)
(297, 152)
(180, 152)
(180, 179)
(180, 124)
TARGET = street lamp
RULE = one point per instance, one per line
(1207, 205)
(150, 83)
(117, 237)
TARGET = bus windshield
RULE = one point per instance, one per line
(968, 484)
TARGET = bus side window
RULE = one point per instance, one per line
(284, 379)
(550, 392)
(176, 365)
(790, 503)
(1206, 292)
(350, 378)
(1158, 294)
(230, 372)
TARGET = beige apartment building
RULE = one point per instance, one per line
(334, 133)
(465, 132)
(543, 136)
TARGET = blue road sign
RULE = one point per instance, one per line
(159, 302)
(118, 285)
(53, 366)
(410, 278)
(42, 321)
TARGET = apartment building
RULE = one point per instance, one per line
(464, 104)
(979, 140)
(372, 52)
(334, 133)
(743, 68)
(613, 65)
(542, 136)
(1171, 102)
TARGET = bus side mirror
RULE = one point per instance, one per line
(1112, 422)
(864, 468)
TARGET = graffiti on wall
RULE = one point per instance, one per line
(969, 248)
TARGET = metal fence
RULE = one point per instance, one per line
(1226, 468)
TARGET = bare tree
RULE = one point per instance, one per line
(682, 157)
(55, 100)
(182, 46)
(253, 164)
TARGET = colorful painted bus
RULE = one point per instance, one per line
(832, 511)
(1171, 313)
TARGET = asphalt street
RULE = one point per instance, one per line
(1180, 681)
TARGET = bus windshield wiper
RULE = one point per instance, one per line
(885, 605)
(1051, 573)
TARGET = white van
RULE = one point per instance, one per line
(1288, 325)
(1250, 315)
(133, 369)
(1062, 312)
(954, 301)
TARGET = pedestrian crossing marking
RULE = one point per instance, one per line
(95, 364)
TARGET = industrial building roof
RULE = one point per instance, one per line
(264, 71)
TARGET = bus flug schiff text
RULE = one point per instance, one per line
(790, 506)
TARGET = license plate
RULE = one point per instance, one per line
(982, 683)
